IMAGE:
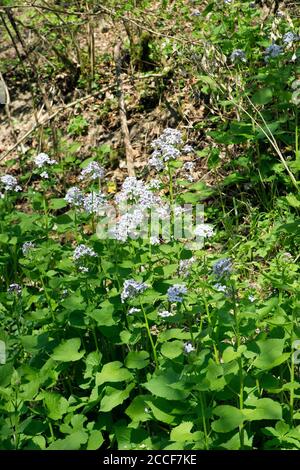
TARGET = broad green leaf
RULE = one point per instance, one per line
(72, 442)
(230, 418)
(262, 96)
(68, 351)
(57, 203)
(182, 432)
(104, 316)
(270, 353)
(95, 440)
(163, 386)
(113, 372)
(114, 397)
(265, 408)
(137, 359)
(137, 410)
(172, 349)
(293, 201)
(56, 405)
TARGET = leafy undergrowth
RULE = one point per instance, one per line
(117, 337)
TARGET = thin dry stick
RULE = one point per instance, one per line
(129, 151)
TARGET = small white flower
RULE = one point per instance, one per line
(185, 265)
(44, 175)
(204, 230)
(188, 348)
(187, 149)
(132, 288)
(27, 247)
(93, 171)
(133, 310)
(43, 159)
(165, 314)
(176, 292)
(154, 184)
(15, 289)
(189, 166)
(251, 298)
(82, 251)
(220, 287)
(74, 197)
(10, 183)
(154, 241)
(93, 202)
(238, 56)
(83, 269)
(273, 51)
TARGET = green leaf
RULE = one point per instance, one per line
(57, 203)
(172, 349)
(270, 354)
(71, 442)
(114, 397)
(55, 404)
(293, 201)
(137, 360)
(95, 440)
(136, 409)
(68, 351)
(165, 386)
(265, 408)
(113, 372)
(230, 354)
(230, 418)
(182, 432)
(103, 316)
(262, 96)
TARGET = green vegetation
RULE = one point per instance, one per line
(113, 340)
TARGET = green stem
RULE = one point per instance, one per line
(171, 198)
(204, 421)
(210, 324)
(240, 364)
(150, 336)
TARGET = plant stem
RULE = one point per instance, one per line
(204, 421)
(150, 336)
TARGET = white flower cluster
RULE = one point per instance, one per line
(81, 254)
(74, 197)
(290, 37)
(272, 51)
(43, 159)
(188, 348)
(165, 314)
(223, 268)
(92, 171)
(185, 265)
(15, 289)
(82, 251)
(238, 55)
(92, 202)
(27, 247)
(176, 292)
(127, 225)
(134, 199)
(132, 288)
(10, 183)
(165, 148)
(135, 191)
(204, 230)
